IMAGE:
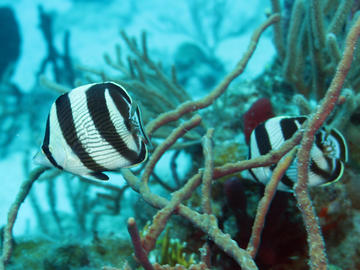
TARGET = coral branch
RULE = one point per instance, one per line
(13, 212)
(208, 172)
(139, 251)
(317, 253)
(339, 19)
(317, 23)
(278, 31)
(265, 201)
(297, 16)
(206, 188)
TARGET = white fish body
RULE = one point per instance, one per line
(91, 129)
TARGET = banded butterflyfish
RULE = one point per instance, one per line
(92, 129)
(327, 156)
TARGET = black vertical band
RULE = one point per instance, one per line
(45, 146)
(289, 127)
(67, 126)
(100, 115)
(262, 139)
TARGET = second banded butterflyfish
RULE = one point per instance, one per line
(92, 129)
(327, 156)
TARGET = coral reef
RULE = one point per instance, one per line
(226, 221)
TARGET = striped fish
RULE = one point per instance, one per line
(327, 155)
(91, 129)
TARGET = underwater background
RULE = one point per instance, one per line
(181, 57)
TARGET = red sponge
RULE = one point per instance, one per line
(259, 112)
